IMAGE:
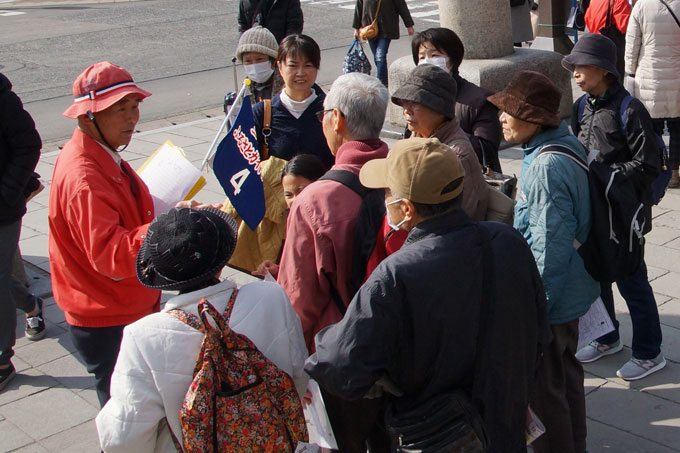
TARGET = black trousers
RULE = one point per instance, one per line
(559, 398)
(358, 424)
(98, 347)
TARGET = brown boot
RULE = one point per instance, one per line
(675, 179)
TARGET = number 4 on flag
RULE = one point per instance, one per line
(239, 179)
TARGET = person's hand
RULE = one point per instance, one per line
(193, 204)
(307, 398)
(267, 266)
(356, 32)
(410, 31)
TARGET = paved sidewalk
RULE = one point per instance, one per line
(50, 405)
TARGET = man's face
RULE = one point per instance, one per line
(117, 123)
(329, 123)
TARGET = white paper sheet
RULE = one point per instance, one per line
(595, 323)
(318, 425)
(535, 427)
(169, 176)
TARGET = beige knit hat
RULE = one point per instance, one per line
(257, 39)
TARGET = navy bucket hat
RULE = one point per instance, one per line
(593, 50)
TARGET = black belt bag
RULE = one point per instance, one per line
(448, 422)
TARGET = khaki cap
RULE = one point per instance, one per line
(417, 169)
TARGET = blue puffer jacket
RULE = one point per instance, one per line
(553, 209)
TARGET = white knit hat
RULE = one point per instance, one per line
(257, 39)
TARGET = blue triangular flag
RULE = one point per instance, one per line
(237, 167)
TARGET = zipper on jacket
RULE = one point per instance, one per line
(637, 230)
(612, 235)
(590, 125)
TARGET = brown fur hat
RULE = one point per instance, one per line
(530, 96)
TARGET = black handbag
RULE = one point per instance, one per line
(448, 422)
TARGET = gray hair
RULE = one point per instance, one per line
(362, 99)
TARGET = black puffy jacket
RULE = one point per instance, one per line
(636, 152)
(281, 17)
(19, 153)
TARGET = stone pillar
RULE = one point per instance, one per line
(483, 25)
(552, 20)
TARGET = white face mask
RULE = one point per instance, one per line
(259, 72)
(389, 219)
(437, 61)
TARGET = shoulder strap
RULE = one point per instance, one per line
(581, 108)
(671, 11)
(187, 318)
(564, 151)
(348, 179)
(377, 10)
(194, 321)
(266, 128)
(623, 112)
(608, 21)
(487, 306)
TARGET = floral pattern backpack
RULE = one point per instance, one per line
(238, 400)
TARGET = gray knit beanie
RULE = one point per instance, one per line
(257, 39)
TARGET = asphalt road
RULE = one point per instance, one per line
(180, 50)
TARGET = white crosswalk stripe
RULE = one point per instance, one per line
(5, 13)
(426, 10)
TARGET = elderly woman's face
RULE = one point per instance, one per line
(254, 58)
(421, 120)
(516, 130)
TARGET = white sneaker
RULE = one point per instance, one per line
(636, 369)
(595, 351)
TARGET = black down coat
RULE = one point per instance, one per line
(19, 153)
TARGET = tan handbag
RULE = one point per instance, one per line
(370, 31)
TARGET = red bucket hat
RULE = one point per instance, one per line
(99, 87)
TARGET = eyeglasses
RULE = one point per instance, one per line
(321, 113)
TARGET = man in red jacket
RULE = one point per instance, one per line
(99, 211)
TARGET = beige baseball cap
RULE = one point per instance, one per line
(418, 169)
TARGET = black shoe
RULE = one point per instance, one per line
(35, 325)
(6, 375)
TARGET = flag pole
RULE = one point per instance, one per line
(211, 150)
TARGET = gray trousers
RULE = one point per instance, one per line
(13, 293)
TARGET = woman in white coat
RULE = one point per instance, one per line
(653, 65)
(185, 250)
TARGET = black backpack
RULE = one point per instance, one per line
(614, 247)
(369, 222)
(661, 182)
